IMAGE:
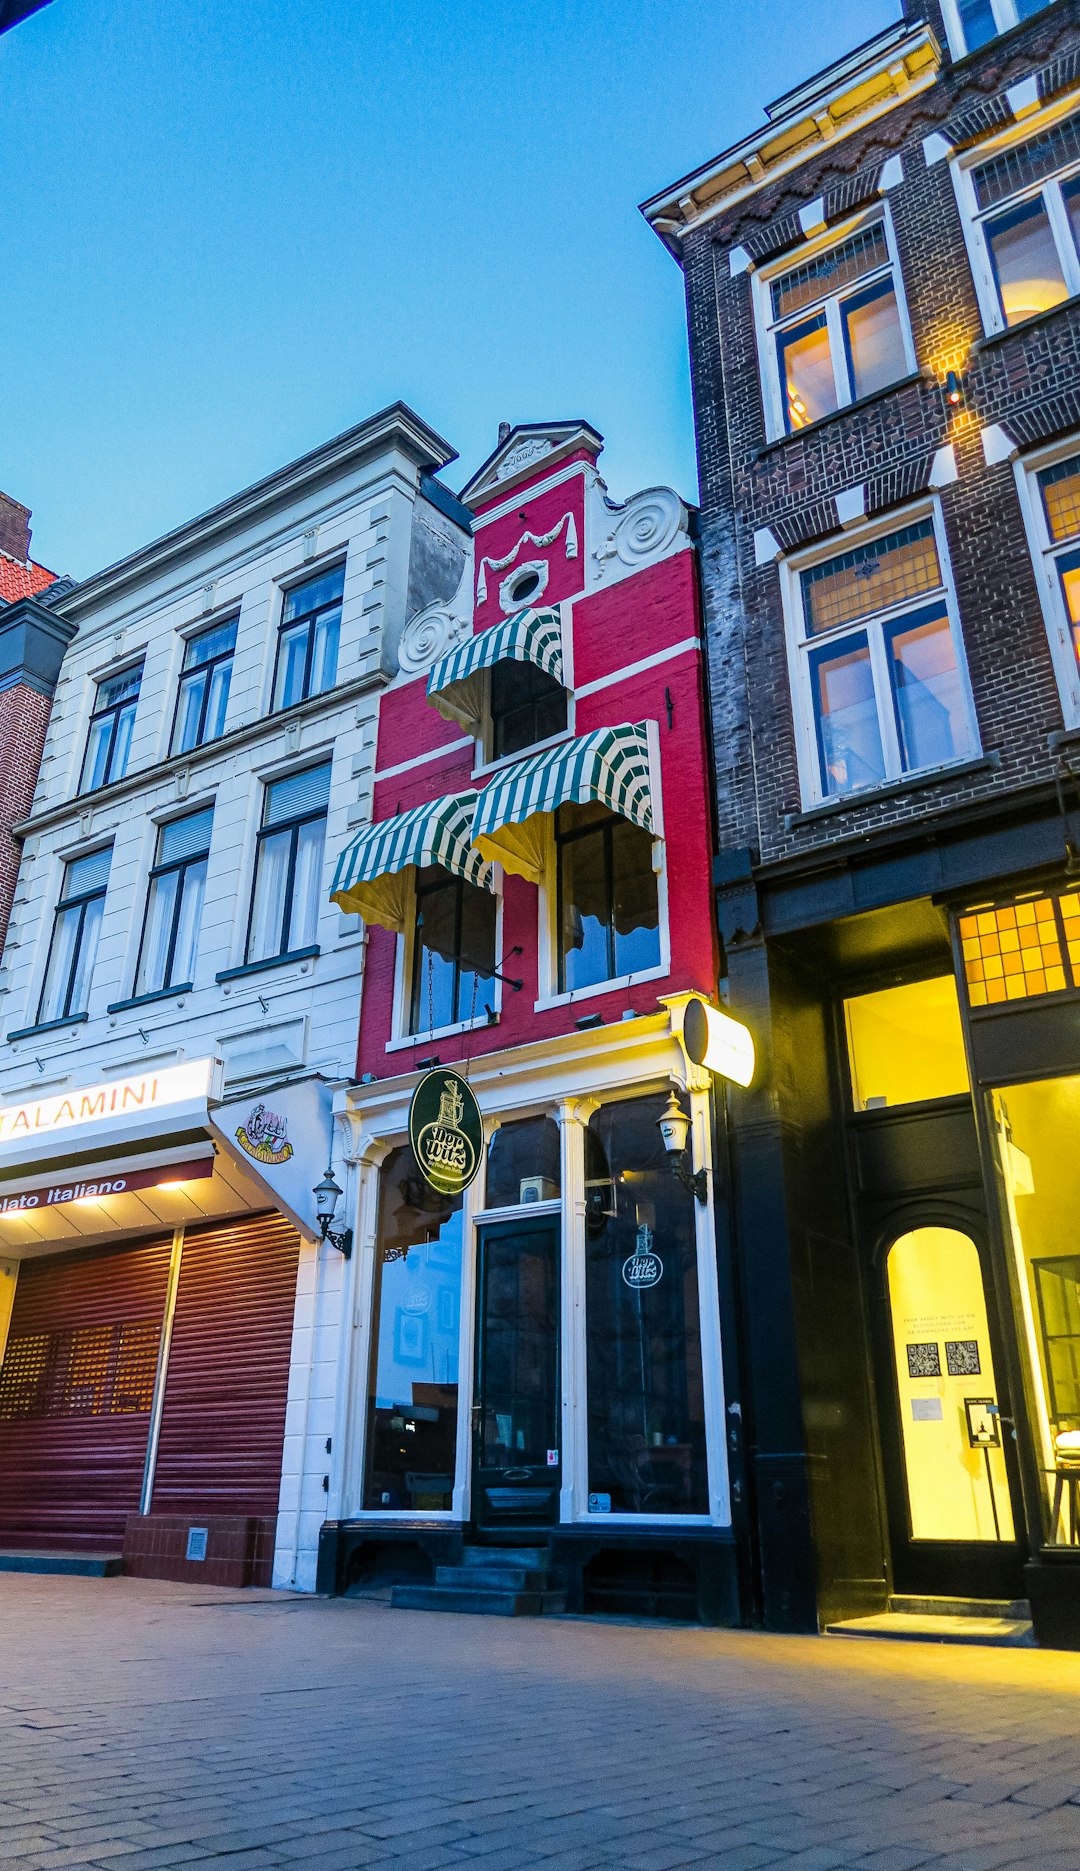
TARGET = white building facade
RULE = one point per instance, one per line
(178, 1000)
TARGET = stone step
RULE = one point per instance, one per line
(498, 1578)
(481, 1601)
(924, 1628)
(915, 1606)
(73, 1565)
(535, 1557)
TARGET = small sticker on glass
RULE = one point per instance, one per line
(553, 1458)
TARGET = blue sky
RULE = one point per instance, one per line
(234, 229)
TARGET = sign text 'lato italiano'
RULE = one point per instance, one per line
(27, 1201)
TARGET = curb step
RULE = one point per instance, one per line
(73, 1565)
(483, 1602)
(926, 1628)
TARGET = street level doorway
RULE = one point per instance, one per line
(515, 1413)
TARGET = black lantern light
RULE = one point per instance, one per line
(674, 1128)
(327, 1195)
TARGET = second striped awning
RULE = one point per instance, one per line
(455, 684)
(371, 877)
(610, 766)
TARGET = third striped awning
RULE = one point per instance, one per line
(371, 878)
(610, 766)
(455, 685)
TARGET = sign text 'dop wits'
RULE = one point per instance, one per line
(446, 1131)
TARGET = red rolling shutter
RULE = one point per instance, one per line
(76, 1387)
(223, 1422)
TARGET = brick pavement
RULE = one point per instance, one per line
(145, 1726)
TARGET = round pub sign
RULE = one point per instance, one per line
(446, 1131)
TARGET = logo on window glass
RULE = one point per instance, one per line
(446, 1132)
(643, 1270)
(265, 1136)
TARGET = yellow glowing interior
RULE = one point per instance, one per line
(906, 1044)
(1014, 952)
(938, 1313)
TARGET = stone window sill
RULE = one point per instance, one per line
(875, 795)
(837, 415)
(48, 1026)
(144, 1000)
(270, 961)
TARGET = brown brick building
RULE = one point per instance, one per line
(883, 287)
(32, 644)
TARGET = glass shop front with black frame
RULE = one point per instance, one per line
(537, 1364)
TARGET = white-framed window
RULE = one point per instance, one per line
(973, 23)
(878, 673)
(832, 326)
(112, 723)
(73, 945)
(448, 959)
(1020, 202)
(174, 904)
(308, 638)
(286, 894)
(1049, 485)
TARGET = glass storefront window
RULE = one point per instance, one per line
(523, 1164)
(1036, 1128)
(646, 1400)
(416, 1322)
(906, 1044)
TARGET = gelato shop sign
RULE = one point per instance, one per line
(119, 1097)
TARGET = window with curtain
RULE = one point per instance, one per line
(608, 902)
(1026, 204)
(307, 651)
(453, 962)
(73, 948)
(204, 687)
(835, 330)
(527, 706)
(108, 744)
(288, 865)
(881, 663)
(174, 904)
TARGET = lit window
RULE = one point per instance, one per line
(453, 951)
(1021, 949)
(204, 687)
(1025, 203)
(609, 916)
(174, 906)
(76, 928)
(906, 1044)
(288, 865)
(834, 329)
(880, 663)
(108, 744)
(307, 654)
(973, 23)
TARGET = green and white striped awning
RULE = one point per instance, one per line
(610, 766)
(455, 685)
(371, 879)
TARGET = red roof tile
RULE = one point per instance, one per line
(21, 580)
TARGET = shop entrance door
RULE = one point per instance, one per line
(950, 1466)
(516, 1454)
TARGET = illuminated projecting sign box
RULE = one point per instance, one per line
(118, 1098)
(164, 1176)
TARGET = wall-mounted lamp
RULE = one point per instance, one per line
(674, 1127)
(327, 1195)
(954, 389)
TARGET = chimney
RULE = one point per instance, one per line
(14, 529)
(504, 434)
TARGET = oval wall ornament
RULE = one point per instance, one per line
(446, 1131)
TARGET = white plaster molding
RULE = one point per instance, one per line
(543, 572)
(812, 217)
(429, 635)
(936, 148)
(648, 524)
(943, 468)
(532, 448)
(767, 548)
(892, 174)
(527, 539)
(851, 504)
(1023, 98)
(739, 261)
(998, 445)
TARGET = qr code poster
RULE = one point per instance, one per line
(962, 1357)
(923, 1360)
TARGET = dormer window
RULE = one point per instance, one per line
(973, 23)
(527, 707)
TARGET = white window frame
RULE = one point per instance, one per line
(404, 951)
(800, 646)
(1045, 553)
(1005, 17)
(973, 218)
(766, 327)
(484, 760)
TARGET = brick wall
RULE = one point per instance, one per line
(24, 717)
(748, 483)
